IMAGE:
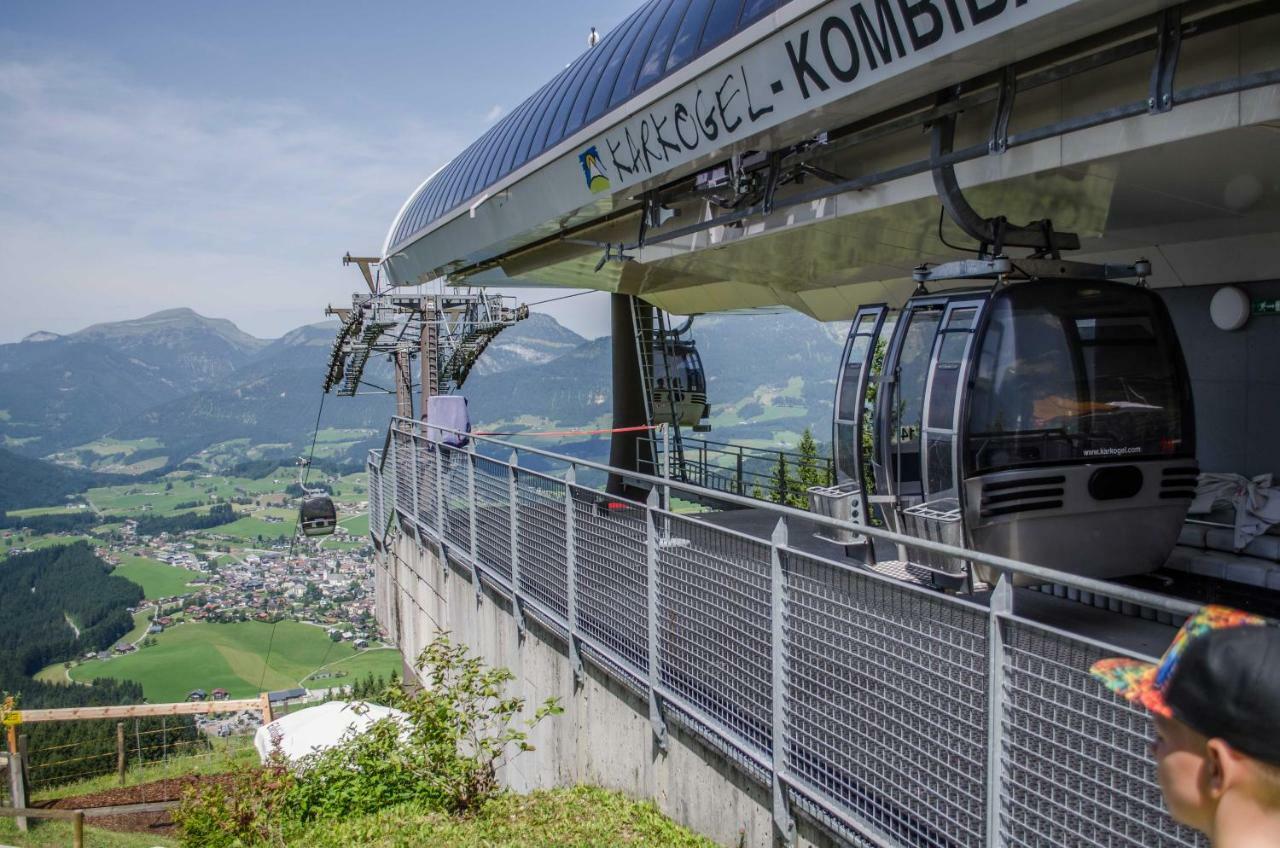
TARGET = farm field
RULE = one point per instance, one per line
(380, 661)
(230, 656)
(249, 528)
(157, 579)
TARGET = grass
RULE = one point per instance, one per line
(48, 834)
(248, 530)
(580, 817)
(577, 817)
(225, 755)
(332, 434)
(157, 579)
(35, 543)
(357, 524)
(231, 656)
(57, 834)
(358, 666)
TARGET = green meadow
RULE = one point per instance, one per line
(157, 579)
(231, 656)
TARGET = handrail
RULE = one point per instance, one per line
(1117, 591)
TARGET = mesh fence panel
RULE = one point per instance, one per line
(457, 497)
(543, 561)
(493, 516)
(402, 457)
(714, 626)
(426, 476)
(612, 566)
(374, 486)
(1075, 761)
(388, 490)
(886, 706)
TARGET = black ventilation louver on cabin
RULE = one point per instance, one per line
(1179, 483)
(1024, 495)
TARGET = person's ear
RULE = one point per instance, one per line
(1223, 767)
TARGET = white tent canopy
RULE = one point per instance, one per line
(320, 727)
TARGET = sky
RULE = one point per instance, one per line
(224, 156)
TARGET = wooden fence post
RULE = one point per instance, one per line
(23, 746)
(18, 787)
(77, 830)
(121, 760)
(13, 738)
(266, 707)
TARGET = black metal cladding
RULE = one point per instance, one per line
(656, 40)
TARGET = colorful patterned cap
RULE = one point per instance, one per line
(1148, 684)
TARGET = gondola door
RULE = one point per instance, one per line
(854, 392)
(939, 446)
(899, 409)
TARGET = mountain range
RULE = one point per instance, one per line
(154, 392)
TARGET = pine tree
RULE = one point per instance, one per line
(811, 471)
(779, 484)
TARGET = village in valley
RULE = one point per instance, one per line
(232, 606)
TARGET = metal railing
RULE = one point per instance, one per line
(726, 467)
(889, 713)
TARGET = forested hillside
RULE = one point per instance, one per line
(45, 595)
(26, 482)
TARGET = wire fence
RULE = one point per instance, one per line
(886, 711)
(98, 747)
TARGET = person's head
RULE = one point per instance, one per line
(1215, 701)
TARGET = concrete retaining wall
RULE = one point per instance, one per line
(603, 737)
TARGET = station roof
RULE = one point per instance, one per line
(654, 42)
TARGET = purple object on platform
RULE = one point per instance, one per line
(448, 411)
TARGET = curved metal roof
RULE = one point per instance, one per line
(655, 41)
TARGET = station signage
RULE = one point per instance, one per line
(836, 50)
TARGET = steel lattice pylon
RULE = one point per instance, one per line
(448, 332)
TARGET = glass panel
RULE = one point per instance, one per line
(602, 53)
(866, 325)
(871, 436)
(507, 131)
(908, 412)
(849, 379)
(1075, 371)
(962, 319)
(655, 60)
(754, 10)
(609, 71)
(682, 49)
(720, 23)
(555, 103)
(942, 396)
(941, 480)
(626, 83)
(847, 450)
(520, 153)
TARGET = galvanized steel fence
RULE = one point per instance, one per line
(889, 713)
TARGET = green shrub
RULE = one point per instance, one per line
(251, 809)
(460, 728)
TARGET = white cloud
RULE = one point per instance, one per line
(495, 112)
(118, 198)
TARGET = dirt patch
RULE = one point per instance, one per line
(170, 789)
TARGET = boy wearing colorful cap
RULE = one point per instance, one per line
(1215, 700)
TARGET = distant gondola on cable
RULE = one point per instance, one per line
(317, 514)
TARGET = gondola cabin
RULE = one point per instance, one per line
(679, 385)
(317, 516)
(1042, 412)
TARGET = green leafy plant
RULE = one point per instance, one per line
(458, 729)
(252, 808)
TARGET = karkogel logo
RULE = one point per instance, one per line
(593, 170)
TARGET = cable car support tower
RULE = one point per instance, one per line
(447, 331)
